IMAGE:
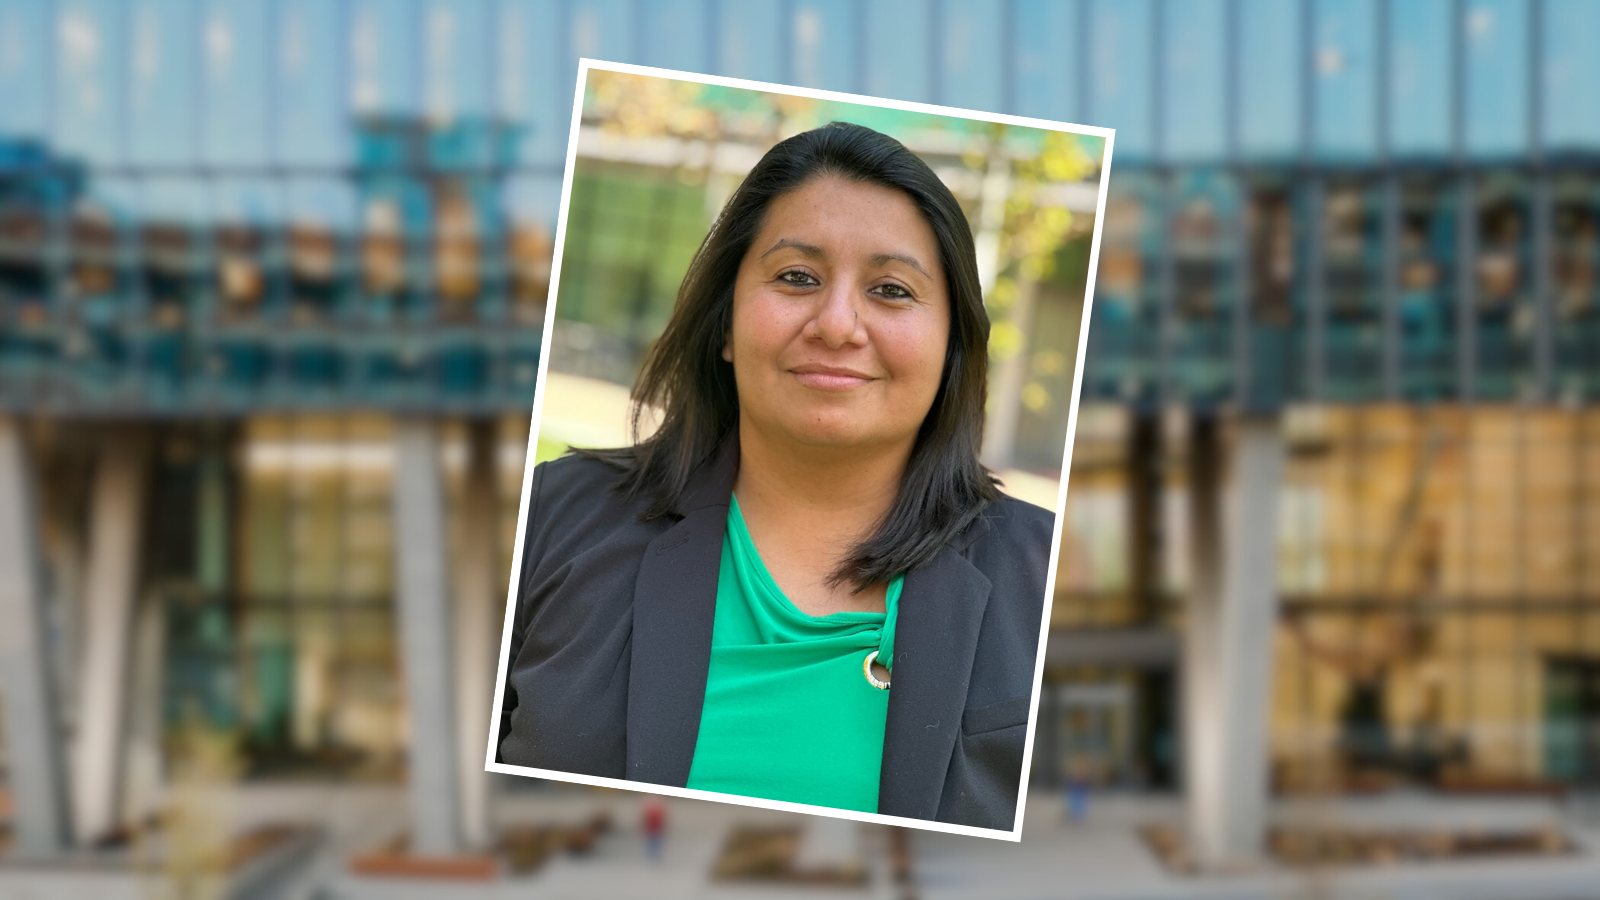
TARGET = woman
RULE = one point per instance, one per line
(803, 586)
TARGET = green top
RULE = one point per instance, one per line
(789, 713)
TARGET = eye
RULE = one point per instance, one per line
(797, 278)
(893, 291)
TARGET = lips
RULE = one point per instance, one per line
(830, 378)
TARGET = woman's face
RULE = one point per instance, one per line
(840, 318)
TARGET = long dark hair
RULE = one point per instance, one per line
(944, 486)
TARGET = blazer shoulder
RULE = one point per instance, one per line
(572, 474)
(1010, 519)
(575, 494)
(1012, 549)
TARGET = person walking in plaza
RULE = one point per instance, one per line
(655, 826)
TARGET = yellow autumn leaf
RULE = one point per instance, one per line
(1005, 341)
(1035, 397)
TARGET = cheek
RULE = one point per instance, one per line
(917, 354)
(762, 328)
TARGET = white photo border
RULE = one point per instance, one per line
(490, 765)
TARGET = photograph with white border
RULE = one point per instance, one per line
(792, 506)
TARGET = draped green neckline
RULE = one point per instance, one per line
(789, 713)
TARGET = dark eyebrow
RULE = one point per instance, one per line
(879, 259)
(811, 250)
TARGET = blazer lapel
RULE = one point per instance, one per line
(674, 608)
(936, 637)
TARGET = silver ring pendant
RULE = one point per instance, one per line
(866, 669)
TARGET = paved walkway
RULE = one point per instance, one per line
(619, 866)
(1101, 858)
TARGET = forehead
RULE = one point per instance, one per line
(841, 215)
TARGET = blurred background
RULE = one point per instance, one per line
(272, 286)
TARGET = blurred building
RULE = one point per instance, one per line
(1331, 520)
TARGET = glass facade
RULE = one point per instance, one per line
(274, 561)
(1381, 218)
(1439, 581)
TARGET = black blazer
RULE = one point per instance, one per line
(612, 642)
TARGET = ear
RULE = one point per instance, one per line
(727, 351)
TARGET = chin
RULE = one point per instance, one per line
(845, 433)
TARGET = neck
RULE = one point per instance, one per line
(849, 489)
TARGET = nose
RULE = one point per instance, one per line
(837, 321)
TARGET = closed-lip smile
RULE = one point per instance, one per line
(829, 378)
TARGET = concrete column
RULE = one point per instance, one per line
(1228, 641)
(65, 550)
(115, 518)
(32, 740)
(1199, 708)
(426, 643)
(478, 584)
(144, 781)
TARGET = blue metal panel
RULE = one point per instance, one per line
(234, 37)
(25, 68)
(309, 100)
(1269, 79)
(536, 84)
(456, 59)
(1194, 117)
(164, 55)
(1048, 48)
(1345, 64)
(972, 64)
(754, 40)
(1419, 78)
(824, 36)
(1571, 69)
(1496, 46)
(897, 49)
(1123, 61)
(602, 29)
(87, 98)
(383, 58)
(678, 34)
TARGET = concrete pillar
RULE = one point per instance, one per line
(144, 781)
(116, 510)
(426, 637)
(478, 584)
(37, 778)
(1228, 641)
(1200, 701)
(65, 548)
